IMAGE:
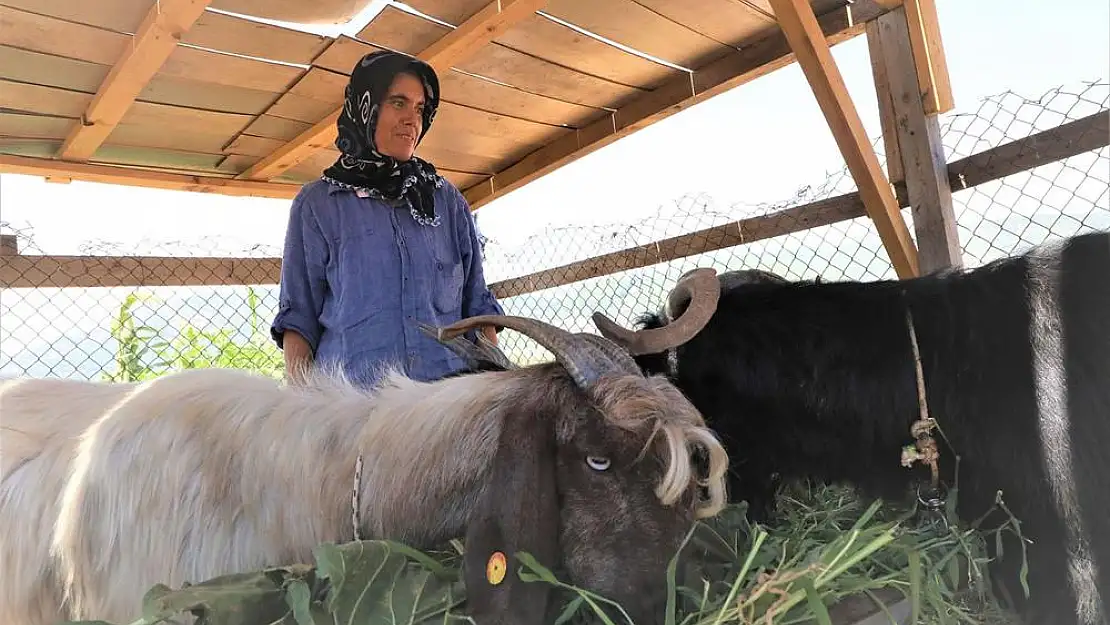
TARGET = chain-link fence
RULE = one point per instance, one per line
(1009, 191)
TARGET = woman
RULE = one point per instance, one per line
(380, 242)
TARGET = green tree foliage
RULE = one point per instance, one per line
(144, 352)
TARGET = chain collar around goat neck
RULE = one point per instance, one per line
(925, 446)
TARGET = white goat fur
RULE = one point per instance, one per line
(266, 470)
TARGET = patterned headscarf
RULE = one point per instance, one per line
(360, 167)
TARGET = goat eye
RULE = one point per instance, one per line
(597, 463)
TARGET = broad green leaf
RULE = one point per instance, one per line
(237, 599)
(381, 582)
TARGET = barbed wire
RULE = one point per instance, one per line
(61, 326)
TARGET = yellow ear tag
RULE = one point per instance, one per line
(495, 568)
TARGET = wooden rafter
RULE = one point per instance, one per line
(920, 149)
(484, 26)
(144, 178)
(757, 59)
(929, 57)
(801, 29)
(153, 43)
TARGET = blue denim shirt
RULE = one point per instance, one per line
(358, 274)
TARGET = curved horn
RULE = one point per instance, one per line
(473, 353)
(700, 287)
(619, 356)
(583, 357)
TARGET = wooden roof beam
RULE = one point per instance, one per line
(163, 27)
(802, 31)
(929, 57)
(757, 59)
(481, 28)
(30, 166)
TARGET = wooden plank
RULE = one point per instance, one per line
(48, 35)
(495, 139)
(33, 126)
(727, 21)
(228, 33)
(397, 29)
(253, 146)
(536, 36)
(553, 73)
(9, 245)
(453, 12)
(922, 151)
(894, 171)
(205, 95)
(758, 59)
(296, 11)
(121, 16)
(465, 128)
(18, 96)
(801, 29)
(929, 58)
(487, 95)
(38, 148)
(631, 24)
(50, 71)
(544, 38)
(1066, 140)
(31, 272)
(185, 118)
(131, 177)
(476, 32)
(158, 158)
(316, 94)
(535, 75)
(155, 40)
(461, 178)
(278, 128)
(158, 135)
(340, 57)
(222, 69)
(797, 219)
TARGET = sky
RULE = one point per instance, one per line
(758, 143)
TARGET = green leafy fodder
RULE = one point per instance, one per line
(826, 546)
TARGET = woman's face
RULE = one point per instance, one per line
(400, 117)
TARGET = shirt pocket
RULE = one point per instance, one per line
(448, 286)
(447, 272)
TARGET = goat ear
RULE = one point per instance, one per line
(519, 511)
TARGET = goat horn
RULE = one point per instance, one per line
(700, 287)
(469, 350)
(582, 355)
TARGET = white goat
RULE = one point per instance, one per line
(112, 488)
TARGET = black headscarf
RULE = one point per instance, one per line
(360, 166)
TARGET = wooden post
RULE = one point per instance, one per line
(9, 245)
(811, 51)
(917, 140)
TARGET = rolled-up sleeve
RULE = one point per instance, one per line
(477, 297)
(303, 275)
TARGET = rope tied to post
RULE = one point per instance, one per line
(924, 448)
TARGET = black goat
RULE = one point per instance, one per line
(805, 380)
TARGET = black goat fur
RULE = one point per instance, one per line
(816, 381)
